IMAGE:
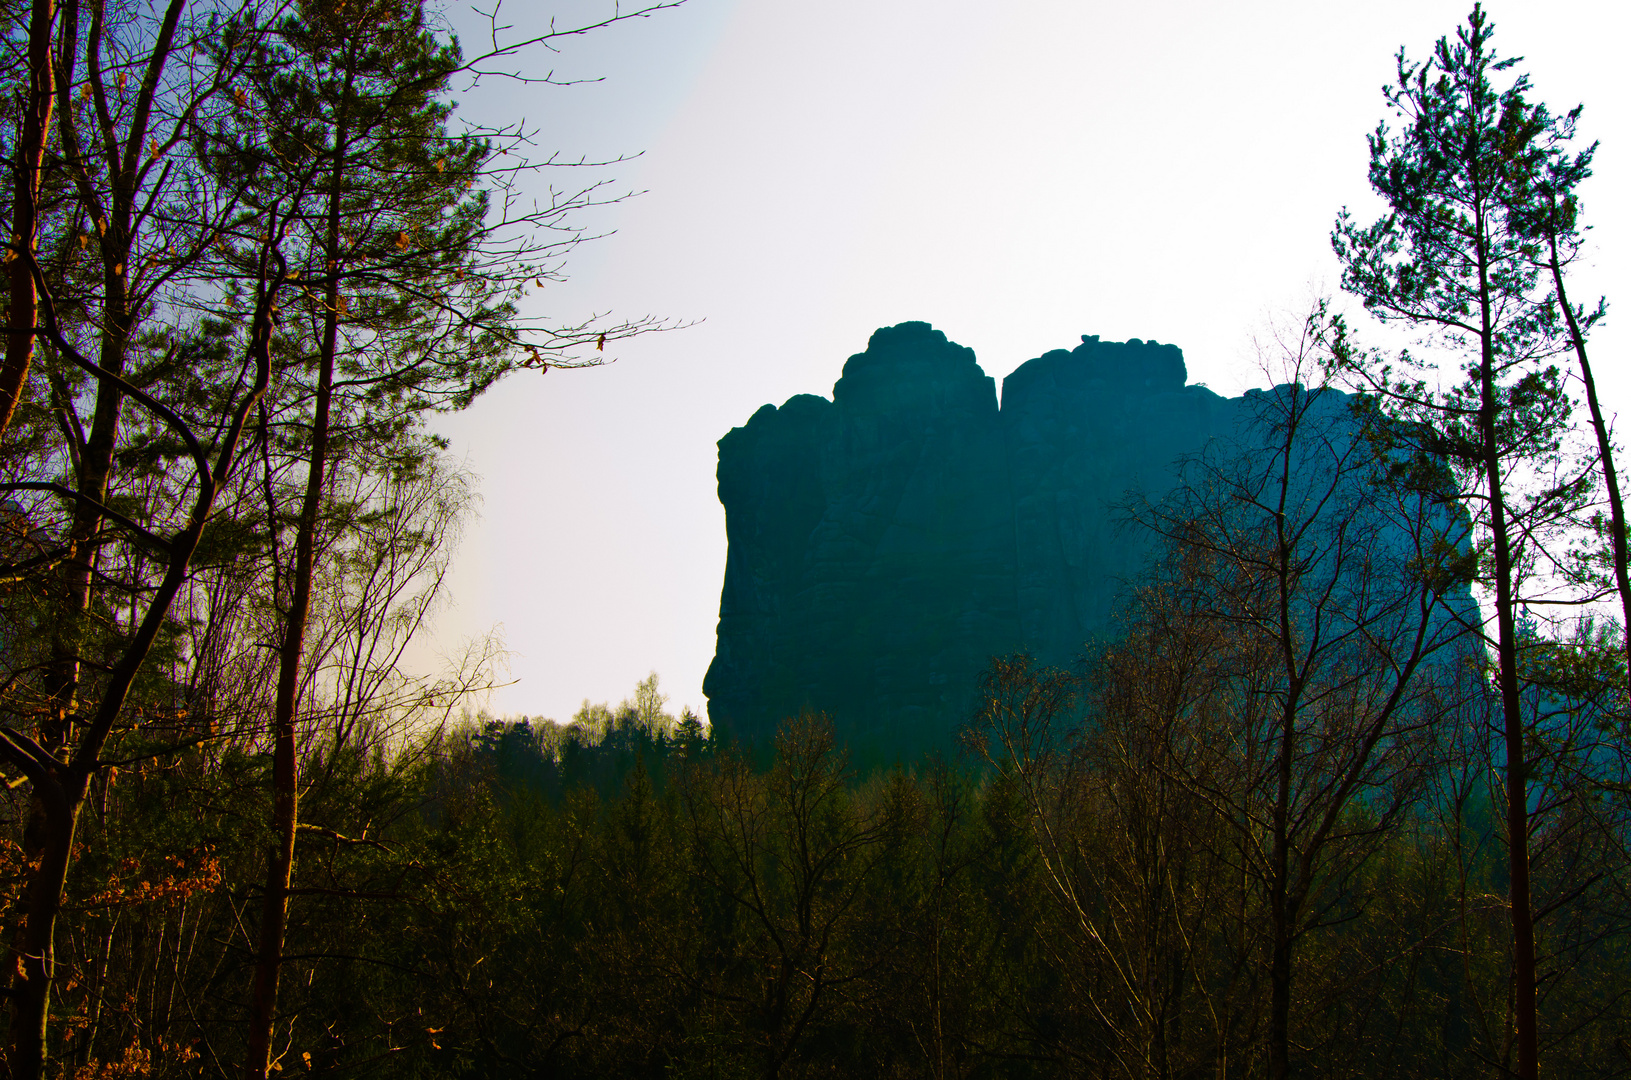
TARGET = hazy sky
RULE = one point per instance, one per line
(1017, 173)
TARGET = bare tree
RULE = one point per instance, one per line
(1283, 666)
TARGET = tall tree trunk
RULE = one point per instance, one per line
(49, 834)
(1282, 906)
(25, 209)
(1519, 900)
(285, 764)
(53, 820)
(1517, 796)
(60, 789)
(1281, 911)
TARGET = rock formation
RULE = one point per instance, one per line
(886, 543)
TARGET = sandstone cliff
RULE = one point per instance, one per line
(885, 543)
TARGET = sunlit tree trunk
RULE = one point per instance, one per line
(25, 208)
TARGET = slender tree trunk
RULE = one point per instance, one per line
(49, 834)
(59, 788)
(73, 586)
(1520, 902)
(1281, 905)
(1605, 450)
(36, 932)
(1517, 799)
(25, 209)
(45, 828)
(1280, 910)
(285, 765)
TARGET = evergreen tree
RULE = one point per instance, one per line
(1453, 260)
(405, 305)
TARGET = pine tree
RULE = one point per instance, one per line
(1453, 261)
(406, 304)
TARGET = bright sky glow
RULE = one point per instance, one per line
(1016, 173)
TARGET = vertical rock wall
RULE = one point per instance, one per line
(885, 544)
(1083, 429)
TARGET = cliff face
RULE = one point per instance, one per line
(885, 544)
(1082, 430)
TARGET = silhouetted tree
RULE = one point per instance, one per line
(1454, 259)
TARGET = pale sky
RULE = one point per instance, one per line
(1017, 173)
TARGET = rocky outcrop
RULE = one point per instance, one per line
(886, 543)
(1084, 429)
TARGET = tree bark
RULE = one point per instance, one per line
(25, 209)
(1282, 914)
(1519, 900)
(1282, 904)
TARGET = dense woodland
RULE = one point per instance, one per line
(1348, 796)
